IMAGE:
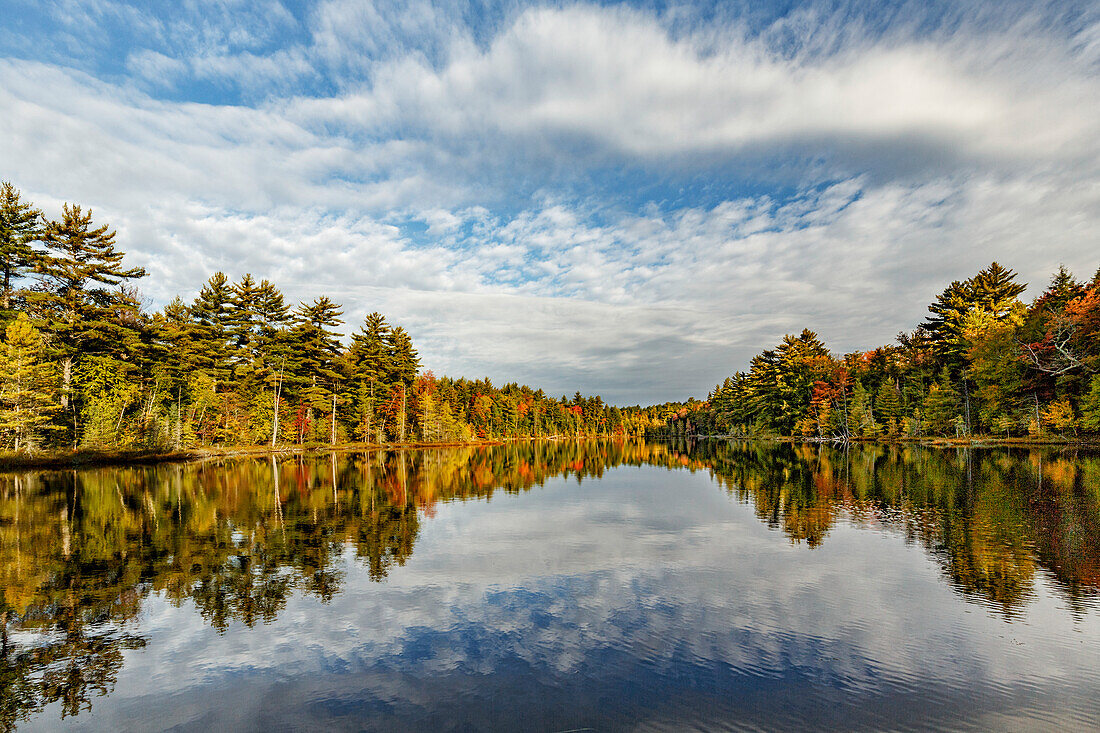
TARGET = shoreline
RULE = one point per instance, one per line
(103, 458)
(928, 442)
(54, 460)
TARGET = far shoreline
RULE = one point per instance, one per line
(981, 441)
(87, 458)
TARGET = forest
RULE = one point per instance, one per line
(983, 364)
(86, 366)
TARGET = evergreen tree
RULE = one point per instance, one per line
(19, 226)
(366, 363)
(992, 290)
(888, 407)
(81, 300)
(995, 290)
(213, 314)
(1062, 289)
(861, 416)
(941, 406)
(272, 340)
(403, 362)
(314, 357)
(243, 326)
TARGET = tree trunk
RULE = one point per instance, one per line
(66, 381)
(403, 403)
(966, 397)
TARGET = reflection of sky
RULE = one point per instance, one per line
(647, 597)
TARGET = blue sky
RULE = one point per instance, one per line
(622, 199)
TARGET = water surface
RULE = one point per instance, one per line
(557, 586)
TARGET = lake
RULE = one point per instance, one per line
(558, 586)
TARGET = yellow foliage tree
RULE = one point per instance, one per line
(26, 393)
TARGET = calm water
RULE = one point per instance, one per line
(599, 586)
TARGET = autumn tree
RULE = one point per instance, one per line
(27, 400)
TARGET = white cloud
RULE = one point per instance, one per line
(928, 158)
(616, 78)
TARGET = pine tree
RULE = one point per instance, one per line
(995, 290)
(243, 326)
(81, 299)
(365, 367)
(212, 312)
(315, 354)
(1062, 289)
(941, 406)
(861, 417)
(26, 400)
(367, 358)
(403, 363)
(888, 407)
(992, 290)
(272, 339)
(19, 226)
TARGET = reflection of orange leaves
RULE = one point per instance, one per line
(1088, 572)
(809, 523)
(578, 465)
(683, 460)
(524, 470)
(825, 485)
(1061, 473)
(483, 476)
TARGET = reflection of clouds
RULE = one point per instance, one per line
(629, 588)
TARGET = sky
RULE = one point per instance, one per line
(622, 199)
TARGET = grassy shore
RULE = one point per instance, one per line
(88, 458)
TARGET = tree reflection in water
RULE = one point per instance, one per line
(80, 550)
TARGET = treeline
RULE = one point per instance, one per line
(983, 363)
(85, 365)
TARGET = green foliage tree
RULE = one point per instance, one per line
(81, 301)
(888, 407)
(942, 406)
(315, 359)
(20, 225)
(1090, 406)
